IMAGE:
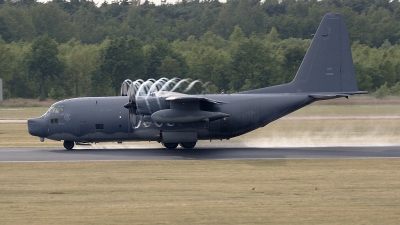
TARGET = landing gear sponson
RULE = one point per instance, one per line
(69, 145)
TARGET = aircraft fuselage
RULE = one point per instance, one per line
(104, 119)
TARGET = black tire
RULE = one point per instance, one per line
(188, 145)
(69, 145)
(170, 145)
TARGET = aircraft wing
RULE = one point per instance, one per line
(186, 109)
(191, 98)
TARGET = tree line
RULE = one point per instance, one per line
(65, 49)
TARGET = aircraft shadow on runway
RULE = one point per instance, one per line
(231, 153)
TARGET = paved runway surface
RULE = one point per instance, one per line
(59, 154)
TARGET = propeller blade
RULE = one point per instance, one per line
(132, 116)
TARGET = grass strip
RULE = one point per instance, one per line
(341, 191)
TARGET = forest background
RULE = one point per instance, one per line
(76, 48)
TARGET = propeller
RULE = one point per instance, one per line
(131, 105)
(140, 89)
(124, 87)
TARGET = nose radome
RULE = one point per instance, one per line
(35, 127)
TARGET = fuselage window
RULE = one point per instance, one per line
(99, 126)
(54, 121)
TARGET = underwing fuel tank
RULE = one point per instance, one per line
(185, 116)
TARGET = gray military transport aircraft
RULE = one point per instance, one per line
(170, 118)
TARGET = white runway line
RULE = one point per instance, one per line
(339, 117)
(13, 121)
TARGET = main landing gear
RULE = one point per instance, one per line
(186, 145)
(69, 145)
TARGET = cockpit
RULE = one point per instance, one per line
(54, 109)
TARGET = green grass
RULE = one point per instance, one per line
(21, 113)
(23, 108)
(363, 191)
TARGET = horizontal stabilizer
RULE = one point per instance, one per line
(333, 96)
(185, 116)
(326, 97)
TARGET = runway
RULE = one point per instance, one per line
(59, 154)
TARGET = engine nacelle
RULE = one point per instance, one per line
(149, 105)
(185, 116)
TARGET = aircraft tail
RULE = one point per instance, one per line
(328, 64)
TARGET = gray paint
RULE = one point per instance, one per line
(326, 72)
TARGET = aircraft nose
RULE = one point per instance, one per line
(36, 127)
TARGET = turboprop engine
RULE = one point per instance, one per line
(152, 104)
(144, 106)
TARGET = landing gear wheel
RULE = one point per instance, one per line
(170, 145)
(68, 145)
(188, 145)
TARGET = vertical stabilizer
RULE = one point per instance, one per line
(327, 65)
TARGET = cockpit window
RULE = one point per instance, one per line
(50, 110)
(56, 109)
